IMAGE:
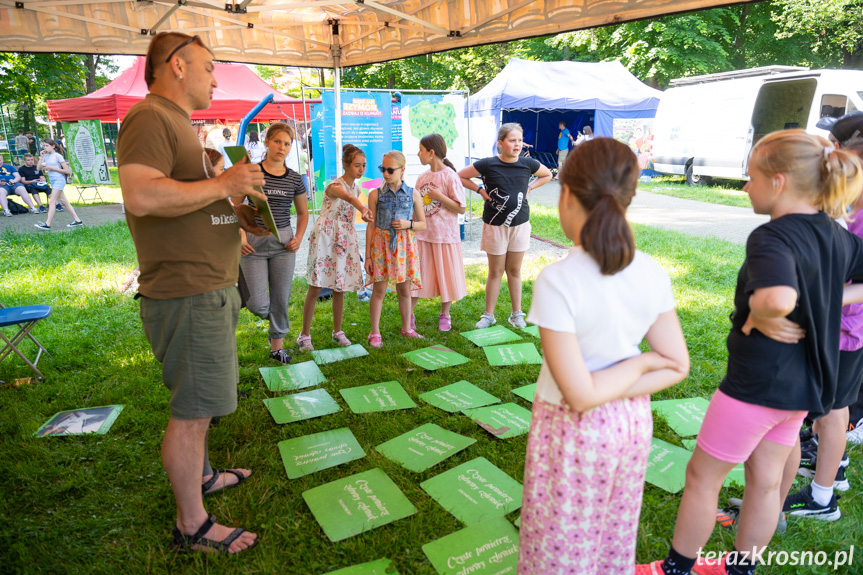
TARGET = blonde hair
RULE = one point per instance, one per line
(397, 157)
(831, 179)
(279, 127)
(504, 131)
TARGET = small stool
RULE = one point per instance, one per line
(26, 318)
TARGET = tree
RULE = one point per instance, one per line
(95, 64)
(834, 27)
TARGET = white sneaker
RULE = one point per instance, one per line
(7, 213)
(486, 320)
(516, 319)
(855, 436)
(35, 211)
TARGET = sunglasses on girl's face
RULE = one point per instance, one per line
(389, 171)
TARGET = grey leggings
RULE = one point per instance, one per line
(269, 273)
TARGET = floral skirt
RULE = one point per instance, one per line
(395, 267)
(583, 484)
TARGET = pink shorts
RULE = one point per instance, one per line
(498, 240)
(732, 429)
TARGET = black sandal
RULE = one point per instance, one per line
(183, 543)
(212, 481)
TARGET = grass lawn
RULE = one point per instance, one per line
(102, 504)
(725, 192)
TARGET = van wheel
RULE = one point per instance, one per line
(695, 180)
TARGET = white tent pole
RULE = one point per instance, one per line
(470, 162)
(337, 57)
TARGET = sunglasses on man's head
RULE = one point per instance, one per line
(179, 47)
(389, 171)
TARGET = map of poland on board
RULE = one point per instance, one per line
(433, 118)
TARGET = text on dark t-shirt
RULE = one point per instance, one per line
(280, 192)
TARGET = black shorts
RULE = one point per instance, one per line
(850, 378)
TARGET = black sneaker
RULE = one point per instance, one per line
(809, 448)
(806, 434)
(43, 226)
(728, 516)
(802, 505)
(60, 207)
(75, 224)
(281, 356)
(808, 465)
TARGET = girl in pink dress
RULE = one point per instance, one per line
(439, 246)
(334, 252)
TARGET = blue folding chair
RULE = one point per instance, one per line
(26, 317)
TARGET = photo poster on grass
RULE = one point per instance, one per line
(358, 503)
(487, 548)
(424, 114)
(96, 420)
(379, 567)
(86, 153)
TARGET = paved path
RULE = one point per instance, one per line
(687, 216)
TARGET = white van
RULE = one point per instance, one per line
(706, 125)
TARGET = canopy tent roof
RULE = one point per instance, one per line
(239, 91)
(565, 86)
(308, 32)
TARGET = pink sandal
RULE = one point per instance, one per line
(375, 340)
(340, 338)
(411, 333)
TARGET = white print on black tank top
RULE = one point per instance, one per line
(498, 201)
(223, 219)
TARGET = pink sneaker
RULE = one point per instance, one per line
(304, 342)
(704, 566)
(654, 568)
(444, 322)
(340, 338)
(411, 333)
(375, 340)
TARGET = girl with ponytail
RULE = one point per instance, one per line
(439, 246)
(783, 349)
(591, 426)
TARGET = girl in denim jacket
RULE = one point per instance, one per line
(391, 248)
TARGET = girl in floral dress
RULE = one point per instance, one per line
(391, 248)
(439, 246)
(334, 252)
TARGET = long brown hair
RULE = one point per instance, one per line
(831, 179)
(603, 175)
(437, 144)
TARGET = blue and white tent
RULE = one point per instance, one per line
(538, 95)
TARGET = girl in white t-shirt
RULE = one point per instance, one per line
(439, 246)
(591, 426)
(56, 168)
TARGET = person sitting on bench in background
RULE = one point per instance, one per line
(10, 183)
(35, 182)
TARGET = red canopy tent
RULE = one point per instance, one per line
(238, 91)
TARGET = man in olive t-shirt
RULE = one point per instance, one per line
(186, 235)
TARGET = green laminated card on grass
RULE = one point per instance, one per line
(386, 396)
(491, 336)
(666, 465)
(310, 453)
(322, 356)
(684, 416)
(487, 548)
(515, 354)
(292, 377)
(531, 330)
(457, 396)
(379, 567)
(527, 392)
(358, 503)
(435, 357)
(424, 447)
(300, 406)
(84, 421)
(475, 491)
(502, 421)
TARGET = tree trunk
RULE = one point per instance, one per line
(853, 60)
(391, 81)
(91, 62)
(739, 55)
(321, 70)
